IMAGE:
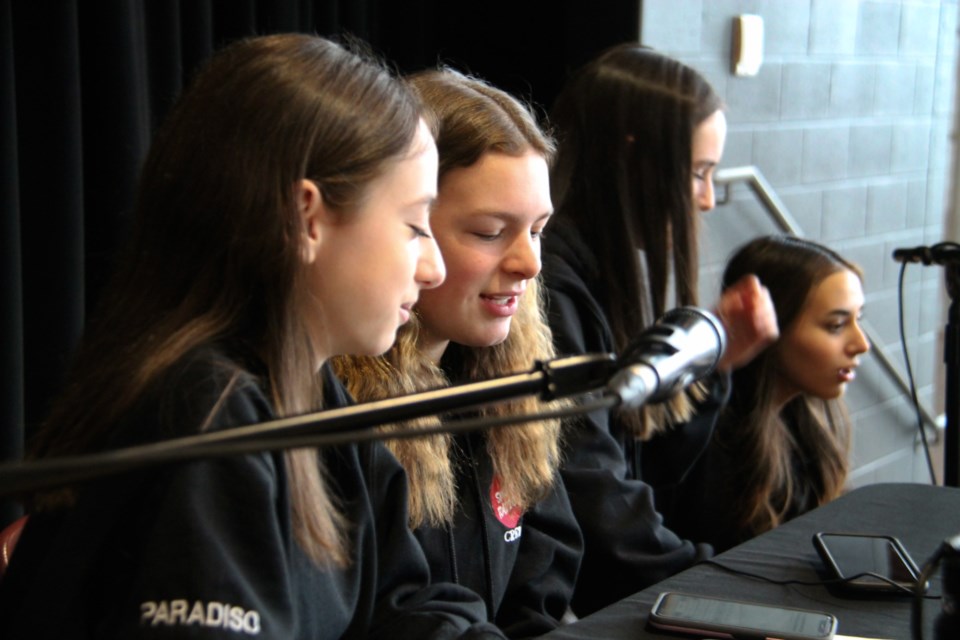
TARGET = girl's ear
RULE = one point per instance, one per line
(310, 205)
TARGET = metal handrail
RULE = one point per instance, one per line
(781, 216)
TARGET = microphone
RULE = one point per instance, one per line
(683, 346)
(942, 253)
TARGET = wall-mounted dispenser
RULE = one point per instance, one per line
(747, 53)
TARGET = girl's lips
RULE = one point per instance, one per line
(846, 375)
(502, 306)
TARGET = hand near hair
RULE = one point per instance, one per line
(748, 316)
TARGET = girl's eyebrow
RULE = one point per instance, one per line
(845, 313)
(428, 201)
(508, 217)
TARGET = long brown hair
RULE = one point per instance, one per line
(766, 437)
(215, 253)
(473, 118)
(622, 178)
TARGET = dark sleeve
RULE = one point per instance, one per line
(667, 459)
(543, 578)
(623, 533)
(709, 492)
(409, 605)
(212, 543)
(670, 455)
(195, 549)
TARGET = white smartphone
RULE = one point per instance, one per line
(722, 617)
(848, 555)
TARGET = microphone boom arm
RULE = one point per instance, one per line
(683, 346)
(553, 379)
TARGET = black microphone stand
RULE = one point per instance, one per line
(951, 357)
(552, 379)
(684, 345)
(946, 254)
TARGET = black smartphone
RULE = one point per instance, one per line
(726, 618)
(869, 562)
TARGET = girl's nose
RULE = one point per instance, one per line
(430, 268)
(523, 258)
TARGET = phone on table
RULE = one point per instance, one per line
(723, 617)
(848, 555)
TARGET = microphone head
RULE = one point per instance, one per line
(912, 254)
(680, 348)
(701, 327)
(942, 253)
(683, 328)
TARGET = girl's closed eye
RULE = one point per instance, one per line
(488, 236)
(703, 172)
(420, 232)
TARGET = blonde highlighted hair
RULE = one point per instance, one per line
(472, 118)
(525, 457)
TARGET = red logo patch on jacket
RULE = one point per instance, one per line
(507, 513)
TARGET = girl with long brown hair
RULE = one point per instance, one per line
(640, 135)
(286, 158)
(781, 446)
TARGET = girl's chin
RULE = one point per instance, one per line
(831, 394)
(489, 340)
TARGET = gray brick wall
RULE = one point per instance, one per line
(849, 119)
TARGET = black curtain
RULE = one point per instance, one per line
(84, 83)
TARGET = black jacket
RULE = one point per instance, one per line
(524, 566)
(610, 478)
(717, 483)
(206, 549)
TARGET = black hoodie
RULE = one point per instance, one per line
(616, 486)
(205, 549)
(524, 565)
